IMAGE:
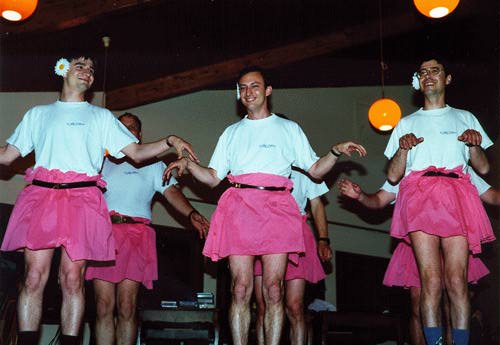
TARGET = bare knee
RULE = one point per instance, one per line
(241, 292)
(456, 285)
(273, 292)
(105, 306)
(71, 281)
(126, 309)
(36, 278)
(432, 286)
(295, 310)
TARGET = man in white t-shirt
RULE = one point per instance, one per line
(438, 210)
(129, 192)
(402, 270)
(257, 216)
(63, 205)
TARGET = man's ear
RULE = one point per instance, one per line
(269, 90)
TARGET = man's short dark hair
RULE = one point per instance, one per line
(75, 55)
(257, 69)
(440, 60)
(136, 119)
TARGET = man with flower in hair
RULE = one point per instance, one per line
(257, 216)
(129, 192)
(438, 209)
(63, 205)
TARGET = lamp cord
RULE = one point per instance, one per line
(104, 77)
(383, 65)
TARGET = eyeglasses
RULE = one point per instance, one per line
(433, 71)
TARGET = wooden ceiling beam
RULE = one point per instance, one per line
(197, 78)
(52, 15)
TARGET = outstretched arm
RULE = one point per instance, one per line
(8, 154)
(205, 175)
(176, 198)
(375, 201)
(321, 224)
(323, 165)
(142, 152)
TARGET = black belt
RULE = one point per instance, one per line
(117, 219)
(64, 185)
(242, 185)
(439, 173)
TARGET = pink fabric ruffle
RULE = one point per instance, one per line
(255, 222)
(403, 271)
(441, 206)
(308, 267)
(76, 218)
(135, 255)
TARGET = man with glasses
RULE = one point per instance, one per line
(438, 209)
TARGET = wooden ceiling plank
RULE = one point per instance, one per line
(64, 14)
(197, 78)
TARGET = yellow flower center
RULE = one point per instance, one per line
(61, 66)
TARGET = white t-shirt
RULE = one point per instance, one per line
(480, 184)
(271, 145)
(440, 129)
(304, 188)
(129, 190)
(70, 136)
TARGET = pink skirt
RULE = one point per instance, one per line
(403, 271)
(441, 206)
(135, 255)
(255, 222)
(75, 218)
(308, 267)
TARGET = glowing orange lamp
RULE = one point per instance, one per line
(436, 8)
(17, 10)
(384, 114)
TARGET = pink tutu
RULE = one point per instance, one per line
(403, 271)
(255, 222)
(442, 206)
(309, 267)
(75, 218)
(135, 255)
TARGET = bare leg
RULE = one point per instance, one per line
(273, 268)
(295, 310)
(426, 249)
(126, 328)
(416, 334)
(456, 254)
(241, 267)
(447, 318)
(261, 309)
(105, 302)
(29, 304)
(73, 295)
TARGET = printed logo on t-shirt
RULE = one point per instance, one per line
(130, 172)
(75, 124)
(267, 146)
(447, 132)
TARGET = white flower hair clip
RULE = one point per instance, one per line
(415, 82)
(238, 96)
(61, 67)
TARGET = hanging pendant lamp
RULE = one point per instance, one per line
(17, 10)
(436, 8)
(384, 113)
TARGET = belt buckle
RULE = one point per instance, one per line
(56, 186)
(237, 185)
